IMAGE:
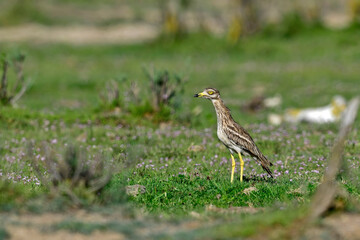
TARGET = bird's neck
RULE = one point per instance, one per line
(222, 112)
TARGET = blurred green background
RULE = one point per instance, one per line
(305, 51)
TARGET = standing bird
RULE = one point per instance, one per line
(232, 135)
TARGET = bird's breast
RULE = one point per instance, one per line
(222, 136)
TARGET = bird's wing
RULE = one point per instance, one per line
(239, 136)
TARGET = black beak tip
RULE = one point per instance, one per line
(196, 95)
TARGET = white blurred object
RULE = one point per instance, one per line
(272, 101)
(275, 119)
(326, 114)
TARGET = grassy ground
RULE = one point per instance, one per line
(62, 106)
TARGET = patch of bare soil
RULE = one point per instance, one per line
(127, 33)
(119, 34)
(30, 226)
(343, 226)
(40, 226)
(25, 232)
(347, 226)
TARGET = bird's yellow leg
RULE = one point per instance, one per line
(241, 167)
(232, 168)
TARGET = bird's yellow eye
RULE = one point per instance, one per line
(210, 92)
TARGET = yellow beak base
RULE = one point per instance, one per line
(199, 94)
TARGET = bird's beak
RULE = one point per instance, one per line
(199, 94)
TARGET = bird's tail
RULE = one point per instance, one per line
(265, 163)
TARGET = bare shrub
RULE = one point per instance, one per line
(120, 93)
(11, 93)
(72, 173)
(159, 96)
(163, 87)
(110, 96)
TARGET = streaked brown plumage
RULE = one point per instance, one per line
(232, 135)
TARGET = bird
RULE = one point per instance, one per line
(234, 136)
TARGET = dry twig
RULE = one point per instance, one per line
(328, 189)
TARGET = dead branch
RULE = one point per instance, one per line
(11, 96)
(3, 87)
(23, 89)
(328, 189)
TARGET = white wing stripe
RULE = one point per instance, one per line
(238, 135)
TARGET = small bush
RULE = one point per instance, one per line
(73, 174)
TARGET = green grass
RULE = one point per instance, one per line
(186, 194)
(307, 70)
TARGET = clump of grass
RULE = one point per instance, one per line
(75, 174)
(12, 195)
(10, 93)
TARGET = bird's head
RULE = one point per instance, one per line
(209, 93)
